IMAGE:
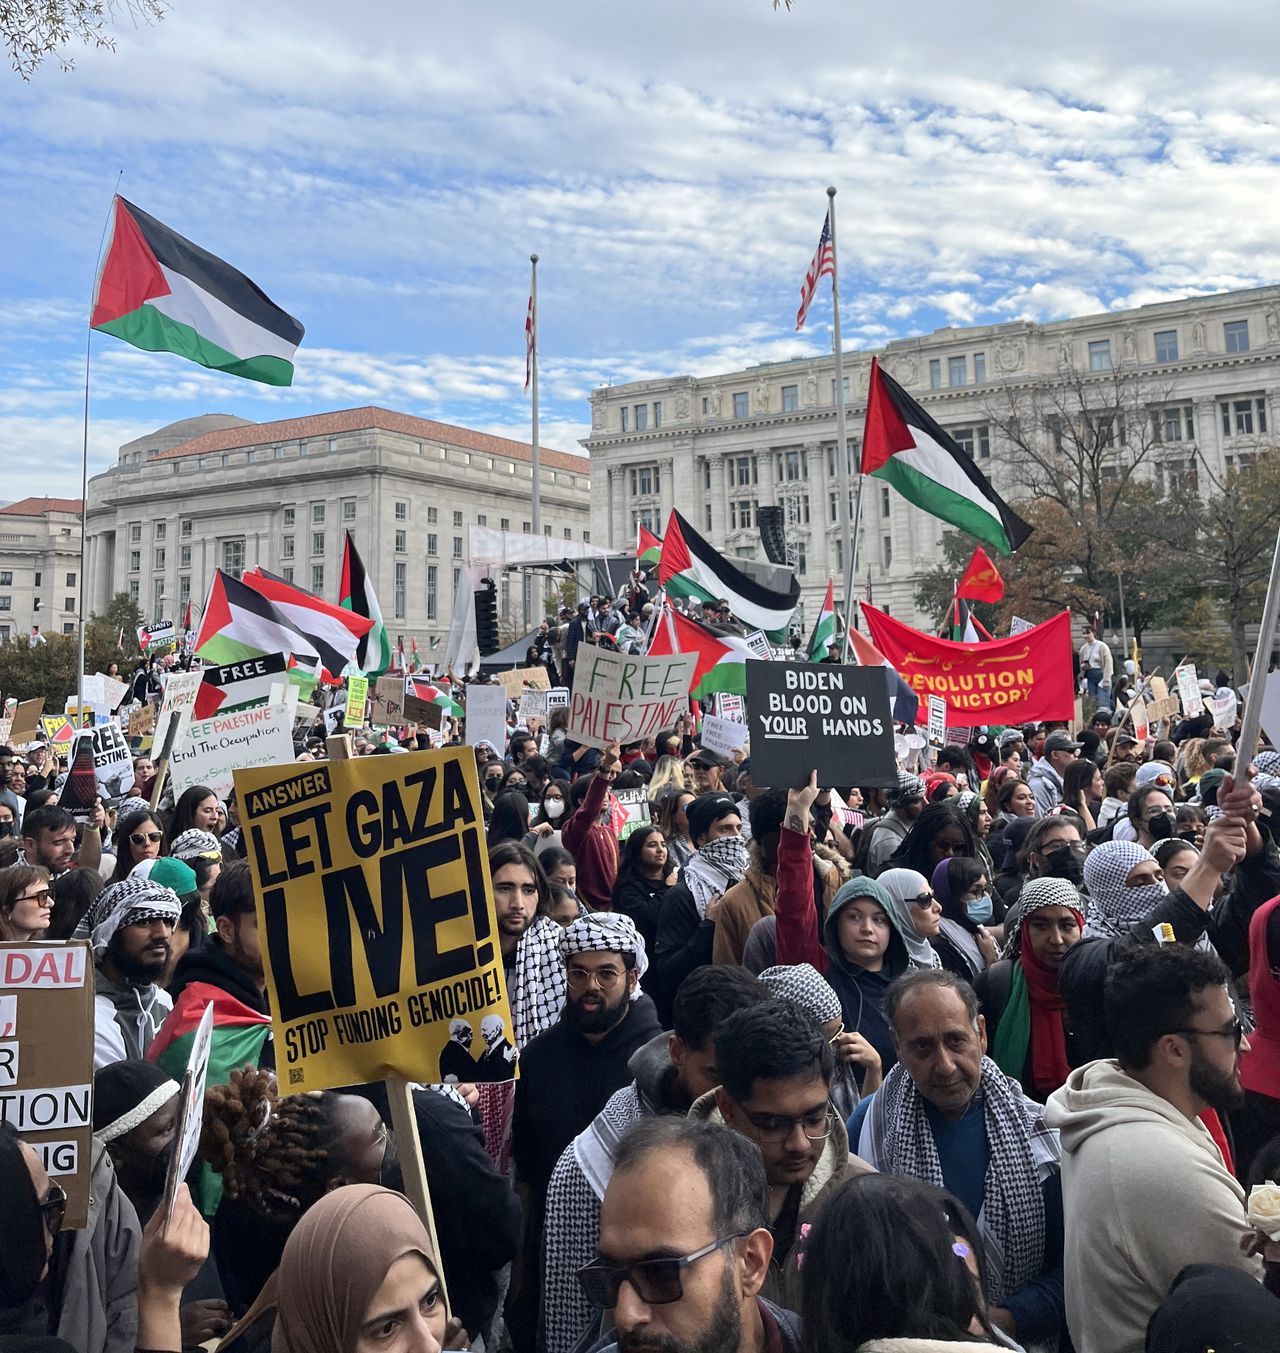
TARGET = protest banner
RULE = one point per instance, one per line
(387, 706)
(636, 802)
(113, 761)
(214, 748)
(1006, 681)
(533, 705)
(731, 707)
(758, 643)
(79, 793)
(357, 695)
(1189, 690)
(557, 698)
(46, 1060)
(723, 736)
(960, 736)
(239, 685)
(620, 698)
(190, 1112)
(937, 721)
(1019, 626)
(26, 722)
(142, 721)
(375, 911)
(487, 717)
(819, 716)
(518, 678)
(58, 729)
(176, 705)
(420, 711)
(157, 638)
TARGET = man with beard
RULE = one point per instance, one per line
(685, 1247)
(1146, 1189)
(529, 940)
(129, 928)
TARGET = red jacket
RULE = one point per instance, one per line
(594, 848)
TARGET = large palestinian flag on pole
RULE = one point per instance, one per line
(162, 293)
(373, 657)
(824, 629)
(692, 567)
(722, 658)
(648, 547)
(902, 445)
(334, 631)
(239, 623)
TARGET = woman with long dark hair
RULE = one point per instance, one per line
(963, 889)
(198, 808)
(645, 872)
(140, 835)
(510, 818)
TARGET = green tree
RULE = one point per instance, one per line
(123, 614)
(49, 669)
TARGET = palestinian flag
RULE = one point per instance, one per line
(413, 655)
(373, 657)
(648, 548)
(433, 695)
(164, 294)
(691, 566)
(334, 633)
(963, 623)
(239, 623)
(903, 446)
(722, 658)
(824, 631)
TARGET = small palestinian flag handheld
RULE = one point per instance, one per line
(162, 293)
(648, 547)
(902, 445)
(824, 630)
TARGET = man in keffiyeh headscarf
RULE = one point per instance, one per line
(129, 928)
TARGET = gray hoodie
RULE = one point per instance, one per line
(125, 1019)
(1145, 1192)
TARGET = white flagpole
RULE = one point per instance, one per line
(842, 443)
(1251, 723)
(537, 476)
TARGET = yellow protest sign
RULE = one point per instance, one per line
(357, 694)
(375, 912)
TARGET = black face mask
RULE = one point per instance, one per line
(6, 829)
(1162, 826)
(1067, 863)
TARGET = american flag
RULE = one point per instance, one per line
(823, 265)
(530, 339)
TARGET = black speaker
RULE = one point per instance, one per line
(772, 534)
(486, 603)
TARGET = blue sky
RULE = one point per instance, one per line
(384, 171)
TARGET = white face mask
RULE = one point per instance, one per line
(553, 808)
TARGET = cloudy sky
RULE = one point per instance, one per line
(384, 170)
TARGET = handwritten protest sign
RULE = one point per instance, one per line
(1138, 716)
(818, 716)
(620, 698)
(420, 711)
(1162, 705)
(723, 736)
(487, 716)
(357, 694)
(1019, 626)
(46, 1060)
(533, 705)
(176, 705)
(376, 914)
(387, 706)
(214, 748)
(113, 690)
(514, 682)
(1189, 690)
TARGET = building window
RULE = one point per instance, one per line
(935, 373)
(286, 547)
(642, 417)
(706, 474)
(1243, 417)
(526, 526)
(793, 465)
(586, 537)
(317, 578)
(802, 559)
(161, 528)
(1173, 424)
(6, 578)
(457, 547)
(433, 576)
(233, 557)
(708, 517)
(457, 521)
(68, 603)
(742, 513)
(790, 398)
(657, 413)
(505, 524)
(135, 532)
(135, 560)
(349, 509)
(71, 579)
(39, 576)
(1100, 355)
(184, 556)
(289, 517)
(744, 469)
(184, 589)
(317, 542)
(158, 597)
(887, 551)
(1236, 333)
(402, 511)
(846, 391)
(287, 574)
(184, 529)
(957, 371)
(833, 469)
(432, 516)
(482, 519)
(6, 603)
(1167, 345)
(623, 413)
(159, 557)
(400, 542)
(974, 441)
(979, 367)
(740, 404)
(133, 590)
(885, 505)
(401, 568)
(432, 542)
(568, 533)
(317, 513)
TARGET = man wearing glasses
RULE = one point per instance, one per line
(685, 1248)
(1146, 1188)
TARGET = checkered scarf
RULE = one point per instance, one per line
(540, 984)
(605, 932)
(804, 985)
(129, 902)
(1113, 908)
(193, 843)
(714, 869)
(1022, 1154)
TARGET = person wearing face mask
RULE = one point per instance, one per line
(8, 819)
(963, 942)
(553, 803)
(1152, 816)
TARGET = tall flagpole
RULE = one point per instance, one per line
(842, 441)
(537, 476)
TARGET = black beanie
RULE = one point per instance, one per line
(128, 1093)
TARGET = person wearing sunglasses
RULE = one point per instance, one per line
(139, 836)
(26, 902)
(685, 1251)
(1146, 1188)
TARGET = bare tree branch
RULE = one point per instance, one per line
(35, 30)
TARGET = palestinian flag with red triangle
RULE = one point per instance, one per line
(722, 658)
(648, 547)
(904, 447)
(162, 293)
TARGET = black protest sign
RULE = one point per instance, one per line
(817, 716)
(79, 793)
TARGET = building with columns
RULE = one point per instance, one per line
(39, 567)
(220, 492)
(1207, 370)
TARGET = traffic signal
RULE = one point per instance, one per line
(486, 599)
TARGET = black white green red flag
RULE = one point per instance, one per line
(162, 293)
(373, 657)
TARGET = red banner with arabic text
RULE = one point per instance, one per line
(1018, 680)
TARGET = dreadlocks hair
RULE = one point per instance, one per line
(274, 1153)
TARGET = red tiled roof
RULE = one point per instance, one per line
(37, 507)
(356, 420)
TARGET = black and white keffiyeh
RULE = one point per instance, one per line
(129, 902)
(714, 869)
(805, 986)
(538, 992)
(605, 932)
(1113, 906)
(194, 844)
(1022, 1154)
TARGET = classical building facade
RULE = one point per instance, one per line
(39, 567)
(219, 492)
(1202, 375)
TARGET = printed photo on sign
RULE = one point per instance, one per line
(937, 721)
(376, 917)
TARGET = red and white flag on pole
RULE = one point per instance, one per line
(823, 265)
(530, 340)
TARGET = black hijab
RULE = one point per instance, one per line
(23, 1255)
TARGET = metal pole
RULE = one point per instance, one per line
(84, 535)
(842, 444)
(537, 475)
(1247, 743)
(1124, 624)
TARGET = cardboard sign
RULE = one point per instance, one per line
(112, 761)
(636, 802)
(557, 698)
(214, 748)
(1138, 717)
(619, 698)
(113, 689)
(176, 705)
(515, 681)
(376, 917)
(26, 722)
(937, 721)
(46, 1060)
(533, 705)
(388, 701)
(357, 694)
(758, 643)
(58, 729)
(723, 736)
(731, 707)
(1019, 626)
(418, 710)
(1189, 690)
(142, 721)
(190, 1112)
(487, 717)
(823, 717)
(1162, 705)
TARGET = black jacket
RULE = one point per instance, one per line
(682, 942)
(210, 962)
(642, 901)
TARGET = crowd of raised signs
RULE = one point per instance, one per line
(990, 1056)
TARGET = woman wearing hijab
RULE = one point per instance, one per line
(1026, 1033)
(963, 889)
(915, 913)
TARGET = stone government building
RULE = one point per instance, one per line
(217, 491)
(723, 446)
